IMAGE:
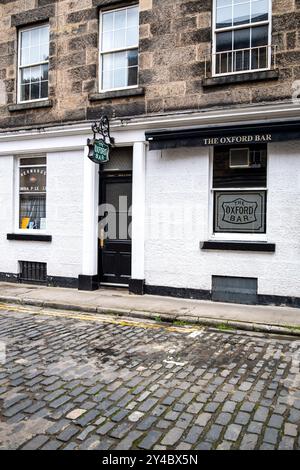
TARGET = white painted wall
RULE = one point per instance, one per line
(179, 180)
(64, 217)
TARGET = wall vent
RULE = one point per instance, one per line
(242, 290)
(33, 272)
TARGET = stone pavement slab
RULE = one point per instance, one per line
(120, 302)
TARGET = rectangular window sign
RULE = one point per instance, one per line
(240, 212)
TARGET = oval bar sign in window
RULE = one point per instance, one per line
(242, 212)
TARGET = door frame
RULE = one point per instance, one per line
(113, 176)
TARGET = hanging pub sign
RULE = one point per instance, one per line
(99, 148)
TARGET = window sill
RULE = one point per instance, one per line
(29, 237)
(238, 246)
(31, 105)
(126, 93)
(240, 78)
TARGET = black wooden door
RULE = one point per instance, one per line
(115, 239)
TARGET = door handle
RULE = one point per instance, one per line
(102, 239)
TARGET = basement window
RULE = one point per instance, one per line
(32, 271)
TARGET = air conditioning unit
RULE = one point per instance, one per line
(239, 158)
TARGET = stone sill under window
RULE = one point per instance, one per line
(238, 246)
(126, 93)
(240, 78)
(29, 237)
(31, 105)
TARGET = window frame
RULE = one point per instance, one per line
(20, 67)
(112, 51)
(236, 236)
(18, 167)
(216, 30)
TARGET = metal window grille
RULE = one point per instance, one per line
(32, 271)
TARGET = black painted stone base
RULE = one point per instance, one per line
(88, 283)
(180, 292)
(199, 294)
(52, 281)
(137, 286)
(56, 281)
(9, 277)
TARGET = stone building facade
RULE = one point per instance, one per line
(172, 121)
(175, 41)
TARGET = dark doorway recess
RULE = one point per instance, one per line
(115, 237)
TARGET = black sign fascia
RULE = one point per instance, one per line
(224, 135)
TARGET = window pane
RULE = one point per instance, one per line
(107, 61)
(241, 60)
(224, 62)
(44, 35)
(34, 55)
(107, 21)
(132, 58)
(120, 78)
(119, 39)
(25, 56)
(259, 58)
(242, 39)
(44, 72)
(224, 17)
(33, 179)
(241, 12)
(223, 3)
(25, 39)
(224, 41)
(35, 37)
(107, 80)
(25, 75)
(132, 76)
(32, 211)
(107, 41)
(255, 176)
(120, 19)
(240, 212)
(133, 17)
(44, 52)
(120, 60)
(33, 161)
(25, 92)
(259, 36)
(260, 10)
(44, 89)
(35, 74)
(35, 91)
(132, 37)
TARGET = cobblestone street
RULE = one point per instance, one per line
(75, 381)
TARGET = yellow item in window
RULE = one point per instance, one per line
(25, 221)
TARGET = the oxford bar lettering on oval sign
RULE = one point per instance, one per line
(238, 139)
(239, 211)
